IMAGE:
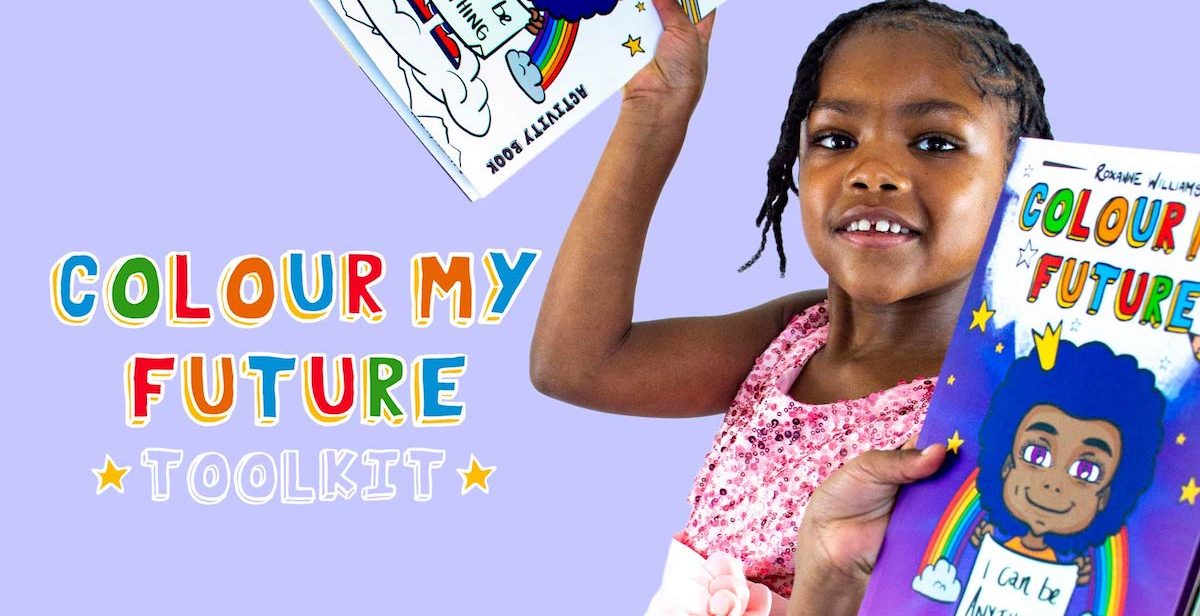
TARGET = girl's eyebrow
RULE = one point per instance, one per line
(918, 108)
(935, 105)
(838, 105)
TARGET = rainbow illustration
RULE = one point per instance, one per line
(1111, 571)
(1110, 563)
(552, 47)
(954, 528)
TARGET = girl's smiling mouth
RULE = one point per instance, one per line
(875, 227)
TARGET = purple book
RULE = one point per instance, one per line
(1068, 401)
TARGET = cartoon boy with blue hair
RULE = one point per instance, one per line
(1067, 448)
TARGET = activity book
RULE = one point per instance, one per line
(1068, 401)
(489, 84)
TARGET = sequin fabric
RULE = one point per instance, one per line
(772, 452)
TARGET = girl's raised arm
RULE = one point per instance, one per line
(586, 349)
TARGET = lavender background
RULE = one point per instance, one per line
(229, 128)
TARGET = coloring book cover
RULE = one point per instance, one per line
(489, 84)
(1068, 403)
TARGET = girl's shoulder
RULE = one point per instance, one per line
(802, 334)
(802, 311)
(807, 329)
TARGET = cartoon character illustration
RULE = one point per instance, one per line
(1196, 346)
(1085, 433)
(1066, 450)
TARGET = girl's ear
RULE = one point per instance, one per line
(1008, 466)
(1103, 495)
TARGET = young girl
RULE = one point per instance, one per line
(903, 118)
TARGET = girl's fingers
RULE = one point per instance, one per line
(705, 26)
(672, 14)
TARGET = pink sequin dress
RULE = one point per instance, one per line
(772, 452)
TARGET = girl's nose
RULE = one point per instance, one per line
(875, 175)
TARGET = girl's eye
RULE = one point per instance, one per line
(1036, 454)
(1085, 470)
(934, 143)
(834, 141)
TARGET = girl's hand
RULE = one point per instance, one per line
(844, 524)
(675, 77)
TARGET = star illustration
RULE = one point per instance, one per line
(641, 6)
(1075, 324)
(950, 380)
(110, 476)
(1181, 439)
(476, 476)
(1027, 254)
(954, 442)
(979, 318)
(999, 347)
(634, 45)
(1164, 364)
(1189, 492)
(1028, 171)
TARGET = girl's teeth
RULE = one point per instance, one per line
(879, 226)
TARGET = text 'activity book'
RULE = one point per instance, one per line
(1068, 401)
(489, 84)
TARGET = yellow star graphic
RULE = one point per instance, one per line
(999, 347)
(954, 442)
(634, 45)
(641, 6)
(476, 476)
(1190, 491)
(950, 380)
(979, 318)
(111, 475)
(1181, 439)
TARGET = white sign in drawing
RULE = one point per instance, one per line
(1005, 582)
(484, 25)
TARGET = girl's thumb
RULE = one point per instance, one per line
(900, 466)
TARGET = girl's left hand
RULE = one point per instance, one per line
(844, 524)
(675, 77)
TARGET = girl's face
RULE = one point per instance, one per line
(901, 166)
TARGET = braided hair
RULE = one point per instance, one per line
(1001, 68)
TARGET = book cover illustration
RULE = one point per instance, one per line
(488, 84)
(1068, 403)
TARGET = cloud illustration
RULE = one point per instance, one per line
(464, 95)
(939, 582)
(527, 75)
